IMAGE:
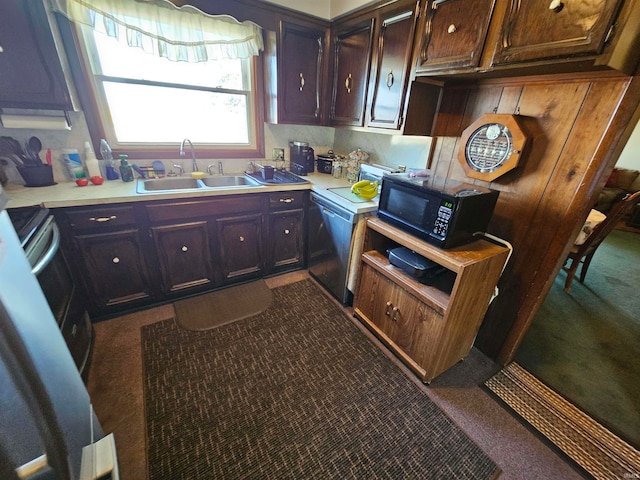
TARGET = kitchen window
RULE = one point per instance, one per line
(147, 103)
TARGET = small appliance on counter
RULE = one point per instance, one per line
(444, 213)
(325, 162)
(302, 158)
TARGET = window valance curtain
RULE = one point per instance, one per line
(159, 27)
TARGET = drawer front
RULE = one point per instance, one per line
(89, 218)
(183, 210)
(286, 200)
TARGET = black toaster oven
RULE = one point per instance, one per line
(445, 214)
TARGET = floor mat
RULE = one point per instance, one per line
(581, 438)
(225, 306)
(297, 391)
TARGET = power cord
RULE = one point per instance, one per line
(501, 241)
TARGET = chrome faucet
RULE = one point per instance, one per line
(194, 164)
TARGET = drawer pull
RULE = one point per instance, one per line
(286, 231)
(396, 312)
(301, 81)
(102, 219)
(387, 312)
(241, 238)
(347, 83)
(74, 329)
(184, 248)
(286, 200)
(115, 260)
(452, 29)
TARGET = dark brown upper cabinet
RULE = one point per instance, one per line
(392, 66)
(295, 88)
(453, 34)
(352, 43)
(31, 75)
(544, 29)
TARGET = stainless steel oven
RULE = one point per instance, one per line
(40, 239)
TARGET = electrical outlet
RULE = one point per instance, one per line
(277, 154)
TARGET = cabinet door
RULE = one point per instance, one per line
(184, 255)
(30, 71)
(408, 323)
(454, 34)
(533, 31)
(115, 268)
(392, 67)
(352, 57)
(286, 240)
(300, 67)
(240, 241)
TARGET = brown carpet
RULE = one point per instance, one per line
(295, 392)
(223, 306)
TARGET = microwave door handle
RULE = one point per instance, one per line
(50, 253)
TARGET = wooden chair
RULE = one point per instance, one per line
(582, 254)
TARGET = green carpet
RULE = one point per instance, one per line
(586, 344)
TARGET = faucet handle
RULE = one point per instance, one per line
(220, 171)
(179, 167)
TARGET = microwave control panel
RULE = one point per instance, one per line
(441, 224)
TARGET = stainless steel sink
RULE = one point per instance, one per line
(229, 181)
(159, 185)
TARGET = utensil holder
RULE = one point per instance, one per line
(37, 175)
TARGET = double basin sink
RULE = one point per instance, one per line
(218, 182)
(159, 185)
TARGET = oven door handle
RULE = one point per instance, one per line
(50, 253)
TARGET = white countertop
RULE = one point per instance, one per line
(68, 194)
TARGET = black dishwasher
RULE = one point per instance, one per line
(331, 234)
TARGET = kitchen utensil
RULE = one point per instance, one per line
(35, 146)
(48, 156)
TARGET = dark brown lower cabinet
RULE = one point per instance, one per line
(132, 255)
(286, 240)
(240, 246)
(115, 269)
(184, 255)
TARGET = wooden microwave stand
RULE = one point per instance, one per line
(430, 327)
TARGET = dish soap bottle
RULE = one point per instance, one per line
(126, 172)
(107, 156)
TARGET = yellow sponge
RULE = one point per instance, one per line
(198, 175)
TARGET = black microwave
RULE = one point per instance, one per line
(445, 214)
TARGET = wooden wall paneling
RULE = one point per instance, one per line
(548, 115)
(573, 188)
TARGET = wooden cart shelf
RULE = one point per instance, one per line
(429, 326)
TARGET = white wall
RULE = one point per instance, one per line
(630, 156)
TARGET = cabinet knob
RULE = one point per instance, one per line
(1, 49)
(286, 231)
(452, 28)
(390, 79)
(102, 219)
(396, 312)
(347, 83)
(301, 81)
(184, 248)
(241, 238)
(556, 6)
(387, 312)
(115, 260)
